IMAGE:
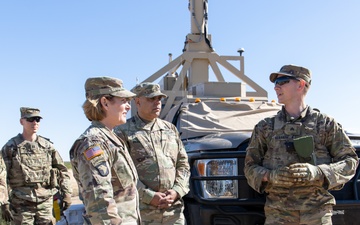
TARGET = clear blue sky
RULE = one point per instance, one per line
(49, 48)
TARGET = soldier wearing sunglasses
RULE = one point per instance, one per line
(32, 172)
(297, 156)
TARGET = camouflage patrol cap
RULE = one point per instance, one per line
(27, 112)
(147, 90)
(293, 71)
(106, 86)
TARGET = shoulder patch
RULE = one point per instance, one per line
(92, 152)
(103, 169)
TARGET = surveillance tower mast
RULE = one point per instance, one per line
(192, 80)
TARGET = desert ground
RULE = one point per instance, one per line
(75, 193)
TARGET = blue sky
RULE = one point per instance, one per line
(49, 48)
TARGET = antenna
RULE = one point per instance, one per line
(197, 58)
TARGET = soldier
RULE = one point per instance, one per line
(159, 157)
(298, 155)
(102, 165)
(34, 173)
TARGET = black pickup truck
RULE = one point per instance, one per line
(216, 142)
(219, 193)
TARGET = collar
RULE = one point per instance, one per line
(156, 124)
(109, 133)
(289, 118)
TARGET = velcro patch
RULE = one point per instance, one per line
(93, 152)
(102, 169)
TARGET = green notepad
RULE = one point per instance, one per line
(304, 147)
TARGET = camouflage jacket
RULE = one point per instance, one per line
(28, 169)
(106, 177)
(159, 157)
(268, 150)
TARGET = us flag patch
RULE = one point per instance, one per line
(93, 152)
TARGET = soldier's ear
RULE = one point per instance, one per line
(302, 84)
(137, 100)
(103, 101)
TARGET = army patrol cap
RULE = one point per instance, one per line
(106, 86)
(148, 90)
(27, 112)
(293, 71)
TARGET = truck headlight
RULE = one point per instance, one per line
(218, 168)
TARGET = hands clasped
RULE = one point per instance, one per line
(281, 177)
(295, 174)
(164, 200)
(306, 172)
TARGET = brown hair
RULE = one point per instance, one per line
(93, 109)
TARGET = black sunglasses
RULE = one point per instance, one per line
(32, 119)
(284, 80)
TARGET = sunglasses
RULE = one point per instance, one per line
(32, 119)
(284, 80)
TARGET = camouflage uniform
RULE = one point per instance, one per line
(28, 166)
(269, 149)
(102, 165)
(3, 190)
(162, 164)
(106, 177)
(159, 156)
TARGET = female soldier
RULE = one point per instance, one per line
(102, 166)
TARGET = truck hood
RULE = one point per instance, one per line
(218, 141)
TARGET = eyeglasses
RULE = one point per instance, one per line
(32, 119)
(284, 80)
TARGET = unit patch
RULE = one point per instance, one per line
(93, 152)
(102, 169)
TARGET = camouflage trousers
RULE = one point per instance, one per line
(2, 221)
(171, 216)
(316, 216)
(30, 213)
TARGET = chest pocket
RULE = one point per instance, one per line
(141, 148)
(279, 152)
(35, 163)
(171, 146)
(286, 133)
(122, 171)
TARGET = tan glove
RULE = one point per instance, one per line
(66, 202)
(6, 213)
(306, 172)
(281, 177)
